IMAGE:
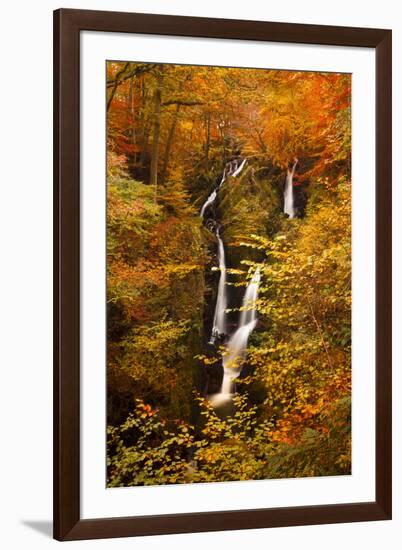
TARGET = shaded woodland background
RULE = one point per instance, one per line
(171, 131)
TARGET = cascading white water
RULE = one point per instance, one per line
(219, 325)
(226, 173)
(288, 207)
(208, 202)
(223, 177)
(239, 169)
(237, 344)
(230, 171)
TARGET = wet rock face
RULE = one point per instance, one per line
(300, 201)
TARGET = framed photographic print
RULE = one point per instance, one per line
(222, 199)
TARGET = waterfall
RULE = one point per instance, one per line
(289, 208)
(219, 324)
(237, 344)
(232, 169)
(236, 347)
(208, 202)
(223, 177)
(239, 169)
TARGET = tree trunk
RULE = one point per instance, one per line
(172, 129)
(223, 143)
(143, 123)
(169, 141)
(153, 180)
(207, 138)
(131, 115)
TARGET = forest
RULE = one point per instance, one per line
(228, 274)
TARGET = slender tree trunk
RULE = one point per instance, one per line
(131, 116)
(224, 156)
(129, 97)
(153, 180)
(207, 138)
(169, 142)
(143, 123)
(172, 131)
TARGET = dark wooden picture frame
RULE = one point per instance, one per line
(67, 26)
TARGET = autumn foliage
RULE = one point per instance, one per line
(170, 132)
